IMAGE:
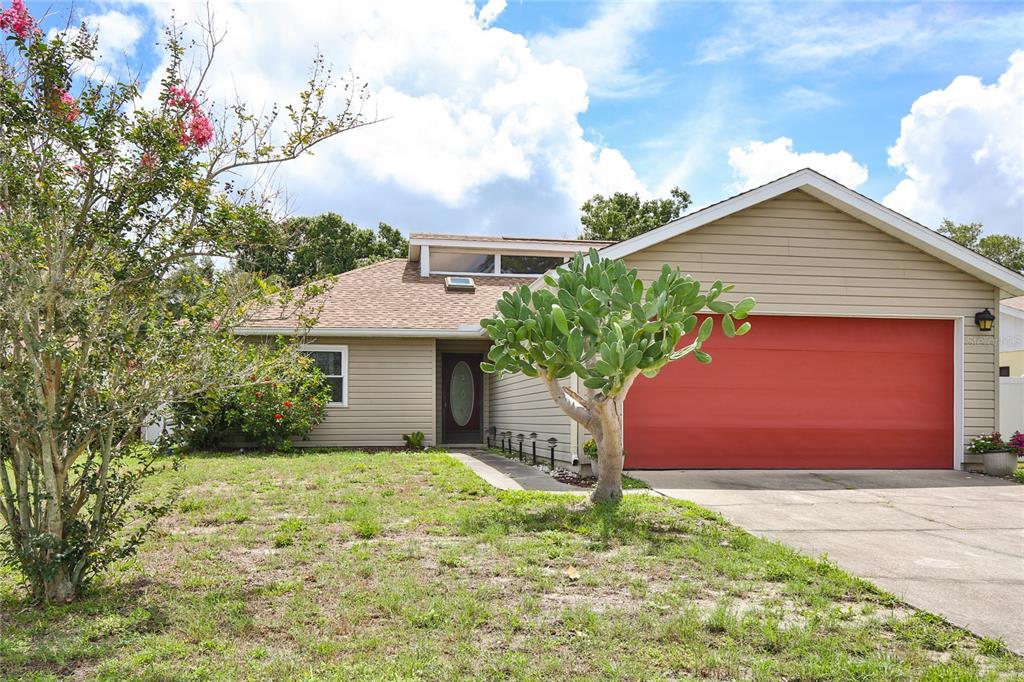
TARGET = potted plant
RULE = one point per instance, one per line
(998, 457)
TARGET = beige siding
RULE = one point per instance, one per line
(461, 346)
(391, 392)
(522, 405)
(795, 254)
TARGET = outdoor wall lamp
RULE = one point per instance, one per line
(984, 320)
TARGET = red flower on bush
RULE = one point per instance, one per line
(287, 403)
(17, 20)
(279, 416)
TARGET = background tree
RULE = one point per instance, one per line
(310, 248)
(622, 216)
(1004, 249)
(102, 198)
(597, 320)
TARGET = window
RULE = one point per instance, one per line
(459, 283)
(528, 265)
(1004, 371)
(333, 362)
(448, 261)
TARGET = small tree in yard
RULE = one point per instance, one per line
(102, 199)
(596, 319)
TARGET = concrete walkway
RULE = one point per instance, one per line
(509, 474)
(944, 541)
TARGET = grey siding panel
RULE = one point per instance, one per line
(522, 405)
(391, 392)
(796, 254)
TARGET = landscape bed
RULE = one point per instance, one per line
(346, 565)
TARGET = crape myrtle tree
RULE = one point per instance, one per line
(103, 196)
(597, 319)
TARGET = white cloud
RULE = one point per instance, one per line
(118, 32)
(962, 150)
(468, 107)
(800, 98)
(757, 163)
(606, 48)
(491, 11)
(818, 36)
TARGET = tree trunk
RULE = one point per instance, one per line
(609, 454)
(56, 589)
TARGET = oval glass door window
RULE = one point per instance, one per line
(462, 393)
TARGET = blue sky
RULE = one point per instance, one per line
(505, 116)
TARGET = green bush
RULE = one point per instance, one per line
(284, 402)
(590, 449)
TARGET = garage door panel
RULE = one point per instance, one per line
(802, 392)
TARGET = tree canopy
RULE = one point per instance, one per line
(622, 215)
(1004, 249)
(597, 319)
(309, 248)
(106, 202)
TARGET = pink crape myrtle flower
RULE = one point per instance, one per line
(199, 128)
(68, 103)
(17, 20)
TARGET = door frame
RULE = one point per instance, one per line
(958, 368)
(473, 359)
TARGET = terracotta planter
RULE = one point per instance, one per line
(1002, 463)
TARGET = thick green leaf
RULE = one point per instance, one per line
(728, 327)
(706, 327)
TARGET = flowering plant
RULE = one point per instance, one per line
(269, 408)
(992, 442)
(106, 200)
(1016, 443)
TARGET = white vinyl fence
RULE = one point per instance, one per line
(1011, 405)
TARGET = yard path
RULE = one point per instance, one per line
(508, 474)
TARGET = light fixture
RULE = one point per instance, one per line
(984, 320)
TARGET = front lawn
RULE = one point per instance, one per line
(374, 566)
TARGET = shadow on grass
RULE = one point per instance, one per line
(63, 639)
(634, 519)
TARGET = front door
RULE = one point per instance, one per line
(461, 398)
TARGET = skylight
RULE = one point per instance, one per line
(459, 283)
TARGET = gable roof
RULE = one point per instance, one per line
(848, 201)
(389, 298)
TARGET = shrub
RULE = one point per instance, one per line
(268, 410)
(988, 443)
(1017, 443)
(590, 449)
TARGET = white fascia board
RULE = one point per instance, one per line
(501, 246)
(473, 333)
(843, 199)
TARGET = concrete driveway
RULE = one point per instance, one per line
(944, 541)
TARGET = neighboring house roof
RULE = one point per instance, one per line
(390, 298)
(1015, 303)
(848, 201)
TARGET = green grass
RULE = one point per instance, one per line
(1018, 475)
(350, 566)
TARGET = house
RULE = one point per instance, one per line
(865, 352)
(1011, 337)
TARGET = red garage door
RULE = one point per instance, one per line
(805, 393)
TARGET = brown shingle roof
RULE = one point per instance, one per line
(392, 295)
(489, 238)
